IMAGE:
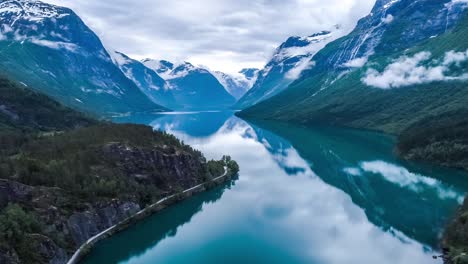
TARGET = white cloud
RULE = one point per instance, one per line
(353, 171)
(417, 69)
(301, 66)
(356, 63)
(54, 44)
(226, 35)
(388, 19)
(58, 45)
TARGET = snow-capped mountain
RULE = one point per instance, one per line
(161, 67)
(237, 85)
(287, 64)
(149, 82)
(194, 88)
(403, 63)
(50, 49)
(387, 29)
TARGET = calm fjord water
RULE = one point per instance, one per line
(304, 195)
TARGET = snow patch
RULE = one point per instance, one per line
(463, 3)
(391, 3)
(32, 10)
(316, 43)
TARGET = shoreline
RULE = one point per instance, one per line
(148, 211)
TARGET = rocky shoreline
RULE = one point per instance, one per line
(86, 248)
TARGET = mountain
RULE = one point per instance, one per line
(403, 63)
(288, 62)
(149, 82)
(237, 85)
(50, 48)
(194, 88)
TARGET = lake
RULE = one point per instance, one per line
(303, 195)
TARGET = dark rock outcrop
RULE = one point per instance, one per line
(162, 166)
(84, 225)
(455, 239)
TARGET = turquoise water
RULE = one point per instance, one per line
(303, 195)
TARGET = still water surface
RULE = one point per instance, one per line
(303, 195)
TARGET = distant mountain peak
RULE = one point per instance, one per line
(238, 84)
(168, 70)
(287, 64)
(302, 46)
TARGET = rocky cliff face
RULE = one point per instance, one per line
(69, 220)
(455, 239)
(75, 226)
(160, 167)
(84, 225)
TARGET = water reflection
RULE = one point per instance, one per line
(323, 195)
(401, 198)
(195, 124)
(150, 232)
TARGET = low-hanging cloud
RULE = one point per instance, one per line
(419, 69)
(226, 35)
(356, 63)
(300, 67)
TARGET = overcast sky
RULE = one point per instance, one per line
(225, 35)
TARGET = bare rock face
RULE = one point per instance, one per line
(84, 225)
(9, 257)
(455, 239)
(48, 250)
(14, 192)
(162, 167)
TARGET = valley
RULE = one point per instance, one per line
(349, 132)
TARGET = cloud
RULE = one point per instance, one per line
(356, 63)
(388, 19)
(226, 35)
(418, 69)
(300, 66)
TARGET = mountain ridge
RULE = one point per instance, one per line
(51, 49)
(194, 88)
(289, 61)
